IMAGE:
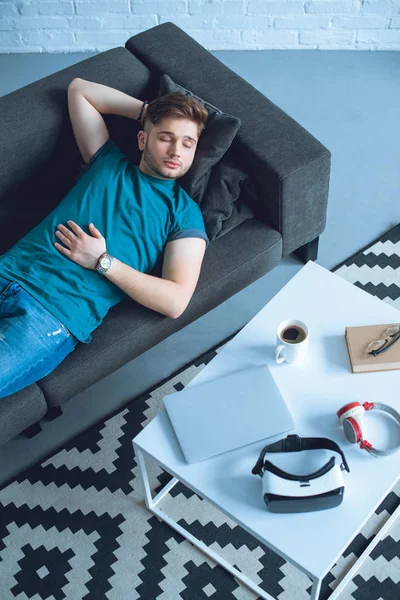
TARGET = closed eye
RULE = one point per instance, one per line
(166, 140)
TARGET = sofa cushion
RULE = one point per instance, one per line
(21, 410)
(214, 142)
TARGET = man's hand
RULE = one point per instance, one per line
(80, 247)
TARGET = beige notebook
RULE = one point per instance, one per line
(357, 340)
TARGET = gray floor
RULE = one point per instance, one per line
(349, 101)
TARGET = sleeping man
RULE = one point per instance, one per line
(99, 244)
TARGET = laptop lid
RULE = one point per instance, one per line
(228, 412)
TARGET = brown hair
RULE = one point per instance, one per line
(176, 105)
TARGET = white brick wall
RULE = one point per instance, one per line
(97, 25)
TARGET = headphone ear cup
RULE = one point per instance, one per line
(354, 430)
(354, 409)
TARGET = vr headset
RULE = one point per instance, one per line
(287, 493)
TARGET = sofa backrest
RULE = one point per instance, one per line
(39, 155)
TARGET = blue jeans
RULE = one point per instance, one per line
(32, 341)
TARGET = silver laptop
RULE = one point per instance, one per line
(228, 412)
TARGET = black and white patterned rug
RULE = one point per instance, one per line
(75, 526)
(376, 268)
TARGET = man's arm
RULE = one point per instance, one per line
(162, 295)
(168, 295)
(108, 100)
(86, 100)
(180, 273)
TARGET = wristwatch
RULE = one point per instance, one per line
(104, 263)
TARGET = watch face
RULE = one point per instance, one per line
(105, 262)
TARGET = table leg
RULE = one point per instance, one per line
(150, 501)
(315, 590)
(143, 476)
(151, 504)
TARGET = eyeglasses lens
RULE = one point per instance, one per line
(376, 345)
(390, 332)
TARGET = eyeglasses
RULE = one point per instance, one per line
(378, 346)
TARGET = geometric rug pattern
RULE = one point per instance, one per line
(76, 527)
(376, 268)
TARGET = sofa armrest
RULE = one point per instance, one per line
(292, 167)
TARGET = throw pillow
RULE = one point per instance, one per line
(214, 141)
(214, 181)
(223, 204)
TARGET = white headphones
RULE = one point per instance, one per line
(351, 416)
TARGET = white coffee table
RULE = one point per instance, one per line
(314, 392)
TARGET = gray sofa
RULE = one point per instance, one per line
(40, 161)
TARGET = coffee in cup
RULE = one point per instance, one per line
(293, 334)
(292, 341)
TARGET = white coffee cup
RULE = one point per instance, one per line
(292, 339)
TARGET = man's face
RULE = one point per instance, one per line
(172, 140)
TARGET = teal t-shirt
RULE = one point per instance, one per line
(135, 212)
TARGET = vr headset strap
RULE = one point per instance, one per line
(294, 443)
